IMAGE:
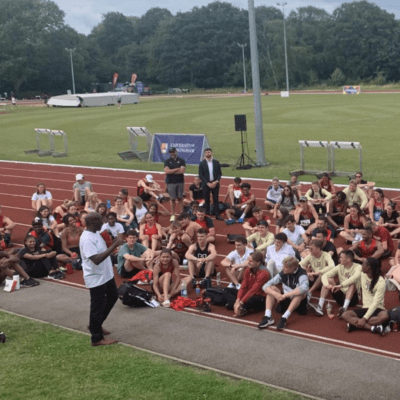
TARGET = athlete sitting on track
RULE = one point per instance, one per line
(251, 297)
(250, 226)
(149, 189)
(195, 192)
(236, 262)
(234, 192)
(294, 282)
(150, 232)
(133, 256)
(9, 266)
(201, 258)
(372, 316)
(206, 223)
(166, 278)
(262, 238)
(179, 241)
(242, 209)
(81, 189)
(6, 227)
(41, 197)
(345, 291)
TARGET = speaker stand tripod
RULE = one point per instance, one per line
(244, 161)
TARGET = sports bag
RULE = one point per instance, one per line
(134, 296)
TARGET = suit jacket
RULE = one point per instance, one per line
(204, 172)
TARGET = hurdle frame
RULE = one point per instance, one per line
(312, 143)
(345, 146)
(133, 133)
(50, 134)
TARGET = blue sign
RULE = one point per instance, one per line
(140, 87)
(189, 147)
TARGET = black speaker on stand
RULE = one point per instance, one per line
(244, 161)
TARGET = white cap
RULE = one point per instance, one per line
(79, 177)
(149, 178)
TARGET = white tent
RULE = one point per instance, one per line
(93, 99)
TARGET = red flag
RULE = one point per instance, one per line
(115, 79)
(133, 79)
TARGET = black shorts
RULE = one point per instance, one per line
(128, 274)
(340, 297)
(360, 312)
(145, 196)
(239, 212)
(301, 309)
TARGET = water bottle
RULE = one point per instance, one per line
(219, 279)
(183, 289)
(198, 289)
(75, 261)
(108, 204)
(329, 308)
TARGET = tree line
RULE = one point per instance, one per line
(357, 43)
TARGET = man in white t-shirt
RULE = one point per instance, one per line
(296, 234)
(99, 277)
(277, 252)
(82, 189)
(113, 227)
(235, 262)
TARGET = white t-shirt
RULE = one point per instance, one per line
(279, 256)
(94, 275)
(115, 230)
(46, 221)
(273, 194)
(140, 213)
(235, 258)
(295, 236)
(82, 187)
(41, 196)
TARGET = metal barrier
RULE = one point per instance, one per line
(134, 132)
(48, 135)
(330, 157)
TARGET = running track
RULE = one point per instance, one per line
(18, 183)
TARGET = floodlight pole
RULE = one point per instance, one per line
(284, 39)
(72, 69)
(244, 66)
(256, 87)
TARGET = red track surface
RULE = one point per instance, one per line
(18, 183)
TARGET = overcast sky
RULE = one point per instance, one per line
(83, 15)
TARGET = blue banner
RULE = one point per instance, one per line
(189, 147)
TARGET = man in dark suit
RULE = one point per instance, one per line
(210, 174)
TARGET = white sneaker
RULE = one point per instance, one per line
(238, 286)
(166, 304)
(231, 286)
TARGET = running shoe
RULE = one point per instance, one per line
(266, 322)
(317, 308)
(29, 282)
(340, 312)
(350, 327)
(281, 324)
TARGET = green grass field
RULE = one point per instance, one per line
(40, 361)
(96, 135)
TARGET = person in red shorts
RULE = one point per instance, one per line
(381, 234)
(250, 295)
(206, 223)
(368, 247)
(150, 232)
(250, 226)
(166, 277)
(6, 227)
(243, 209)
(234, 192)
(179, 241)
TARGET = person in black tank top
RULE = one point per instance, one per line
(201, 259)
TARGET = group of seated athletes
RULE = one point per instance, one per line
(284, 268)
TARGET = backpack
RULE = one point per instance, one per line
(222, 297)
(232, 237)
(134, 296)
